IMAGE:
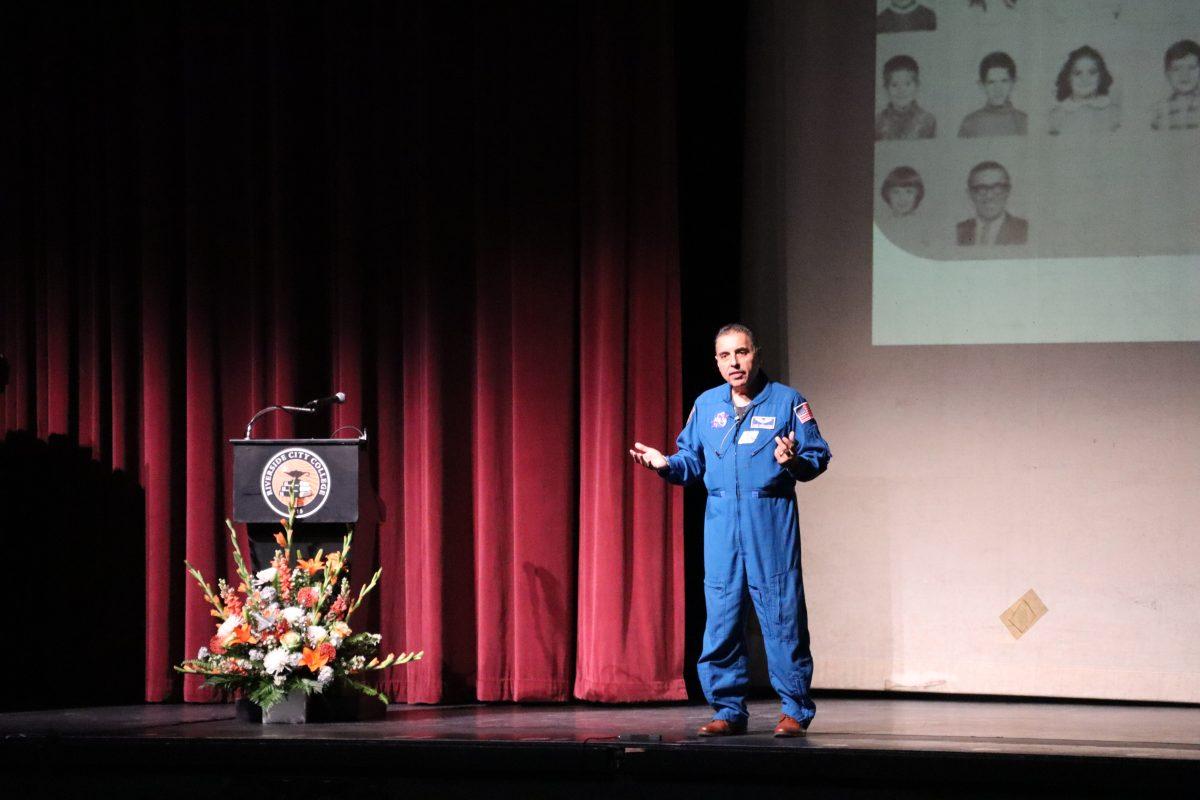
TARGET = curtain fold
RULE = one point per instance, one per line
(630, 633)
(464, 218)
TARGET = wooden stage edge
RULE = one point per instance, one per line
(857, 747)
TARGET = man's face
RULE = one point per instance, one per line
(1184, 74)
(736, 359)
(997, 85)
(989, 190)
(901, 88)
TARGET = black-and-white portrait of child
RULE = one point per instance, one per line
(905, 16)
(902, 191)
(903, 117)
(1082, 89)
(997, 117)
(1180, 111)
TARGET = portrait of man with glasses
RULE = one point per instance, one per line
(988, 187)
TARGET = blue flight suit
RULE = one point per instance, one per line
(751, 540)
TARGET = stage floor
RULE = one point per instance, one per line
(898, 747)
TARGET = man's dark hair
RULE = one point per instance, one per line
(903, 177)
(1062, 84)
(997, 59)
(736, 327)
(900, 64)
(1181, 49)
(985, 165)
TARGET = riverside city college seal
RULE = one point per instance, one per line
(297, 467)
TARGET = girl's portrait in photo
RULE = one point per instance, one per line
(903, 190)
(1082, 90)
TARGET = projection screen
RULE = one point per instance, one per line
(1013, 501)
(1104, 182)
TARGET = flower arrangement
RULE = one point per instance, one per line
(287, 628)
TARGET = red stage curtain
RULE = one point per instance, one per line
(464, 219)
(630, 522)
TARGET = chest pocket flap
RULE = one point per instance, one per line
(779, 429)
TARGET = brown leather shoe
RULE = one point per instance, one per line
(788, 727)
(722, 727)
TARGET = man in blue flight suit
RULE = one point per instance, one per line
(750, 441)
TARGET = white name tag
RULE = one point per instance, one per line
(747, 437)
(766, 423)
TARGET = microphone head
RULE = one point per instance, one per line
(340, 397)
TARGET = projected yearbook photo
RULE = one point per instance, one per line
(1055, 150)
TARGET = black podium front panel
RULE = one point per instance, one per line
(323, 473)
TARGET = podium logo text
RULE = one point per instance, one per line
(298, 470)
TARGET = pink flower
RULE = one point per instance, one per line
(307, 596)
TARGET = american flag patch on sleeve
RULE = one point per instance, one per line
(803, 413)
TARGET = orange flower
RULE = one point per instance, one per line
(311, 565)
(333, 563)
(243, 635)
(280, 539)
(315, 659)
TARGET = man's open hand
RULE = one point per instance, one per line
(647, 456)
(785, 449)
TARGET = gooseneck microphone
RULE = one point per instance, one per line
(310, 407)
(340, 397)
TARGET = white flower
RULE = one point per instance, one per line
(228, 625)
(357, 662)
(316, 634)
(290, 639)
(279, 679)
(265, 576)
(203, 653)
(267, 593)
(294, 659)
(255, 655)
(293, 614)
(335, 640)
(325, 676)
(276, 662)
(262, 623)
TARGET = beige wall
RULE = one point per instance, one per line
(962, 476)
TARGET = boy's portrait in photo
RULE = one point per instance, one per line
(903, 117)
(997, 76)
(988, 188)
(1180, 111)
(1082, 90)
(903, 16)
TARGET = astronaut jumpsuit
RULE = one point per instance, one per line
(751, 540)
